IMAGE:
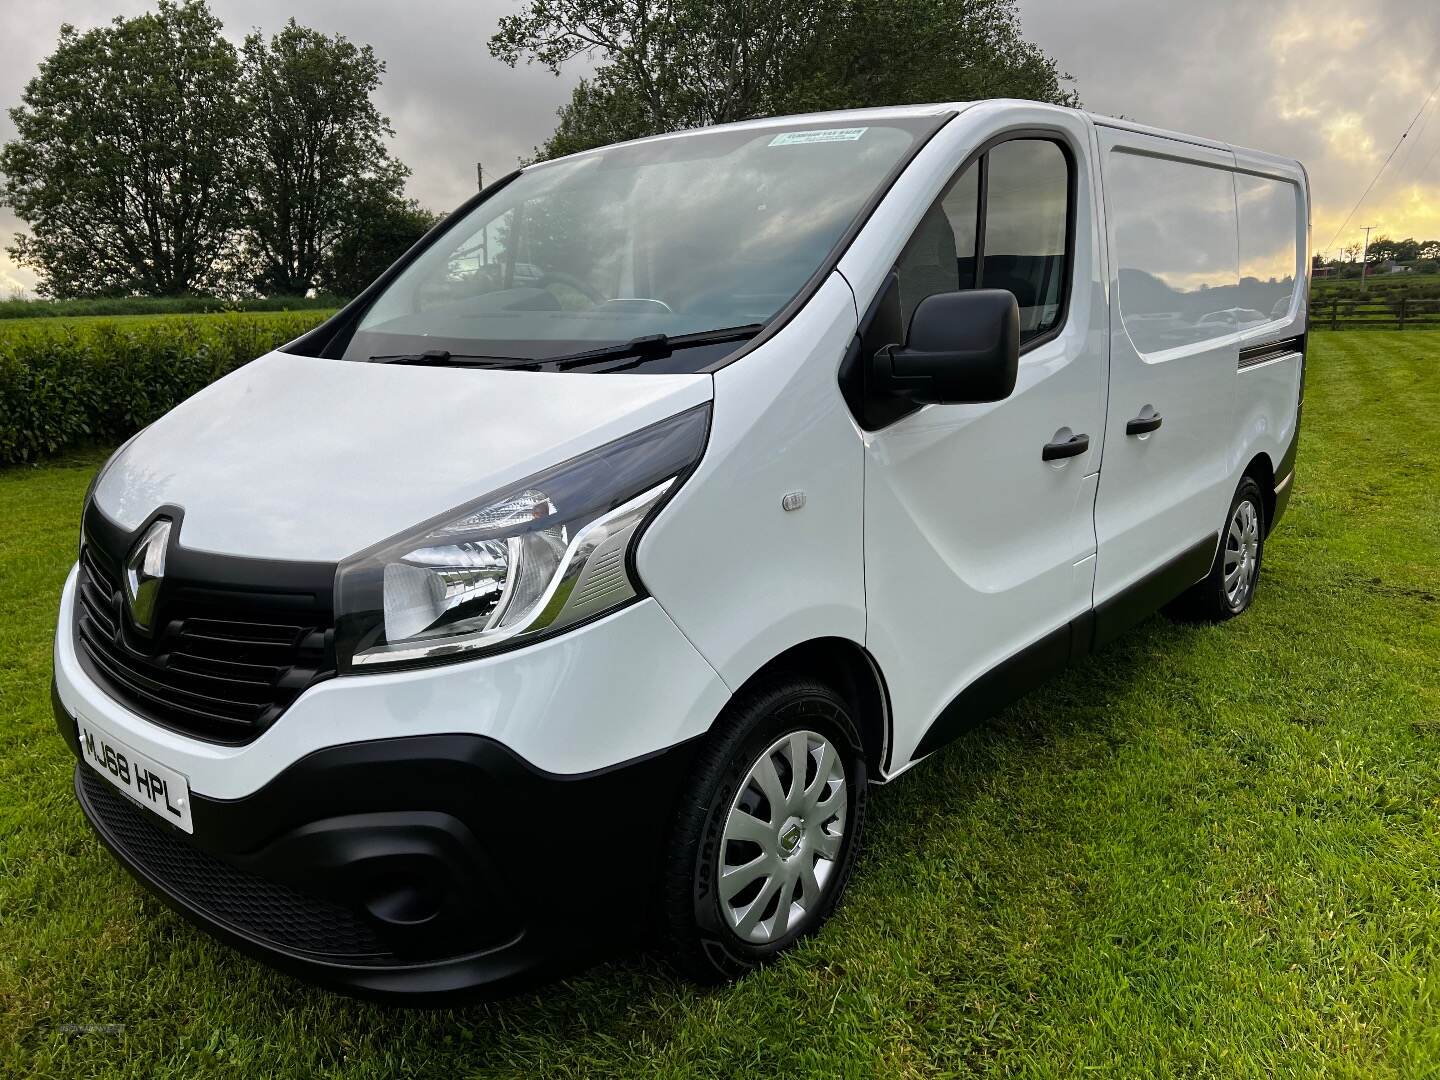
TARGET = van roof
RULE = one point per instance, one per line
(899, 112)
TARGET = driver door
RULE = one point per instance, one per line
(978, 553)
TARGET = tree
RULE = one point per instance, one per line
(1383, 250)
(689, 63)
(316, 147)
(124, 162)
(910, 51)
(377, 229)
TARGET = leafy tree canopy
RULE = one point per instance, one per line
(124, 166)
(153, 158)
(378, 229)
(315, 148)
(687, 63)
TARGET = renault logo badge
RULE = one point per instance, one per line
(144, 571)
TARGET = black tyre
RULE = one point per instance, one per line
(1230, 586)
(766, 833)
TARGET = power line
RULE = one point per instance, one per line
(1417, 136)
(1383, 165)
(1426, 167)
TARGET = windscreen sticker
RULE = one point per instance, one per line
(800, 138)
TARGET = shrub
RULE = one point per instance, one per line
(78, 384)
(160, 305)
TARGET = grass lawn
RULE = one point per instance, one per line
(1207, 851)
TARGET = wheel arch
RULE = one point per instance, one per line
(849, 668)
(1262, 470)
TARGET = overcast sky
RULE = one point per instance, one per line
(1331, 82)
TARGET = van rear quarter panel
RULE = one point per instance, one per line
(742, 577)
(1267, 395)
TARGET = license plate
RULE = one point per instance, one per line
(162, 791)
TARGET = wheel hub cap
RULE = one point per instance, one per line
(783, 835)
(1241, 559)
(790, 836)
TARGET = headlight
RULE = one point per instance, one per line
(544, 554)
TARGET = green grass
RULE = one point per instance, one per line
(1207, 851)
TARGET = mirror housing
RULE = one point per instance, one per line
(962, 348)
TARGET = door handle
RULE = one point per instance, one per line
(1143, 425)
(1071, 447)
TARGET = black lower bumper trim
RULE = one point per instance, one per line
(413, 869)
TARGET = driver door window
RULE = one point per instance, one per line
(1002, 223)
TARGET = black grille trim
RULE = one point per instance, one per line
(1255, 355)
(267, 912)
(227, 656)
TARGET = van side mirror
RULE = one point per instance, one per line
(963, 347)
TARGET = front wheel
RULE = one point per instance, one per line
(1230, 586)
(766, 833)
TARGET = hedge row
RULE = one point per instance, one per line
(160, 305)
(101, 383)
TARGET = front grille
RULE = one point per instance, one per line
(266, 911)
(222, 664)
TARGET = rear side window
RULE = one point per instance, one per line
(1173, 226)
(1003, 223)
(1269, 243)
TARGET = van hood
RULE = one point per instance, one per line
(298, 458)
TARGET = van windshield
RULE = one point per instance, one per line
(677, 236)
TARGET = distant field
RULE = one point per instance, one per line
(11, 329)
(1378, 286)
(158, 305)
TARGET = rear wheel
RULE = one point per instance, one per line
(766, 834)
(1230, 586)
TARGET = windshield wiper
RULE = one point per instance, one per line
(655, 345)
(640, 348)
(444, 357)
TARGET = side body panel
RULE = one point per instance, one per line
(1273, 200)
(976, 548)
(1174, 346)
(744, 578)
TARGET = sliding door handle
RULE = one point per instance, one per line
(1143, 425)
(1071, 447)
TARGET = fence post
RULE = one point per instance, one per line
(1335, 313)
(1402, 313)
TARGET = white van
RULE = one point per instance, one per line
(579, 577)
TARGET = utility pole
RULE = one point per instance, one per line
(1365, 256)
(479, 177)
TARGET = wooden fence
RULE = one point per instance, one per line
(1406, 313)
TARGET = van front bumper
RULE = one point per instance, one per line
(466, 827)
(416, 868)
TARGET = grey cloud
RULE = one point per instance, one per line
(1220, 68)
(449, 102)
(1275, 76)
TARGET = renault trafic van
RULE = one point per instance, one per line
(578, 578)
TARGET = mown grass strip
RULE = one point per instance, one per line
(1208, 851)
